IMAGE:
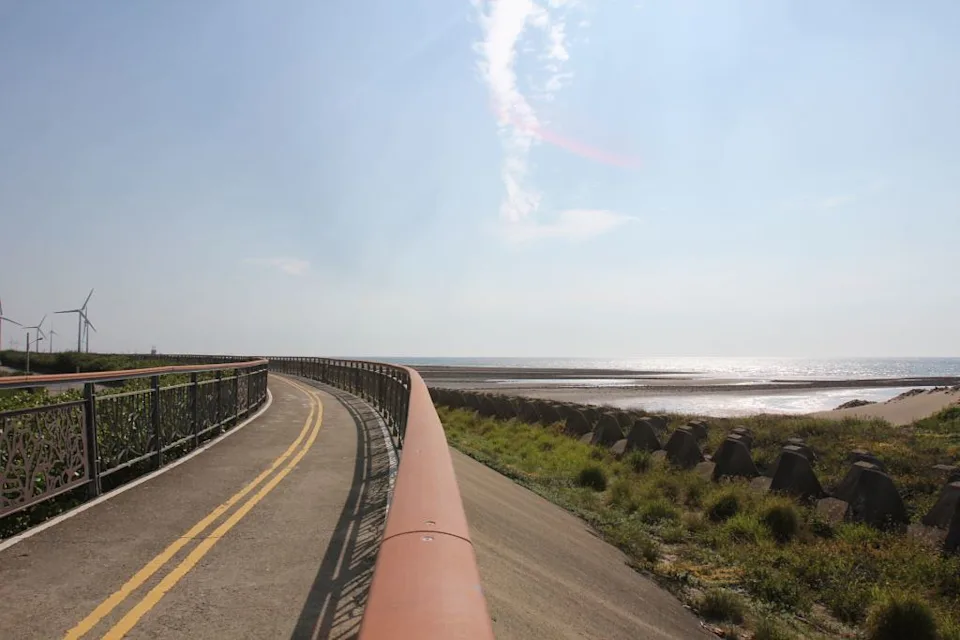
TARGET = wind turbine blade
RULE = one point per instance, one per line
(69, 311)
(89, 295)
(40, 324)
(1, 307)
(11, 321)
(90, 324)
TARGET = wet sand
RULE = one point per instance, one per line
(605, 386)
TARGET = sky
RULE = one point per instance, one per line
(490, 178)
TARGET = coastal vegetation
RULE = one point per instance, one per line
(746, 560)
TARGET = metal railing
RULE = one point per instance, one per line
(48, 450)
(425, 582)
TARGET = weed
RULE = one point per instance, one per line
(897, 616)
(781, 518)
(654, 511)
(593, 477)
(638, 461)
(722, 606)
(723, 506)
(767, 629)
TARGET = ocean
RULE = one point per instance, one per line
(753, 369)
(744, 370)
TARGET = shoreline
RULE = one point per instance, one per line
(514, 379)
(709, 396)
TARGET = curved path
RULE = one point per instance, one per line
(270, 533)
(273, 533)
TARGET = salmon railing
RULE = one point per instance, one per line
(425, 582)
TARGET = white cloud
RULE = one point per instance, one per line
(290, 266)
(572, 224)
(837, 201)
(503, 23)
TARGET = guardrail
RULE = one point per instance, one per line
(49, 450)
(425, 583)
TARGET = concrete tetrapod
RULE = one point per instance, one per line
(682, 449)
(732, 458)
(577, 424)
(607, 431)
(942, 512)
(792, 474)
(872, 496)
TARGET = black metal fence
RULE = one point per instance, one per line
(384, 386)
(59, 447)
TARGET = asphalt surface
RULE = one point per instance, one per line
(296, 562)
(547, 575)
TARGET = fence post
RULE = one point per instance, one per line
(236, 395)
(155, 418)
(195, 409)
(219, 400)
(90, 433)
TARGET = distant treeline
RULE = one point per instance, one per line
(73, 362)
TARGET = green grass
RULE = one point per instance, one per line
(696, 537)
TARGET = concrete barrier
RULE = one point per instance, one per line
(732, 459)
(699, 429)
(793, 474)
(607, 432)
(548, 413)
(946, 506)
(802, 447)
(872, 496)
(862, 455)
(745, 435)
(682, 449)
(577, 424)
(643, 436)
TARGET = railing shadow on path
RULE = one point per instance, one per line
(335, 604)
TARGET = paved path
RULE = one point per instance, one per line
(291, 557)
(546, 575)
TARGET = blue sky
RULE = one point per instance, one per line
(508, 178)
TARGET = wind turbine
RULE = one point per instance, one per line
(51, 334)
(81, 319)
(87, 325)
(36, 341)
(3, 319)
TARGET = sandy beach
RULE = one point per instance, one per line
(696, 393)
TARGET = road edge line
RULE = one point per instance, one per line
(43, 526)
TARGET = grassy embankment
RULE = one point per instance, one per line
(752, 563)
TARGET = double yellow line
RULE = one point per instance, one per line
(150, 600)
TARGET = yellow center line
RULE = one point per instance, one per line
(156, 594)
(108, 605)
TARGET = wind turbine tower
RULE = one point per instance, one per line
(82, 322)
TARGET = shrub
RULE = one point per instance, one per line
(722, 606)
(744, 527)
(694, 522)
(639, 461)
(767, 629)
(621, 495)
(782, 519)
(649, 549)
(592, 477)
(723, 506)
(848, 601)
(776, 587)
(672, 534)
(654, 511)
(901, 616)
